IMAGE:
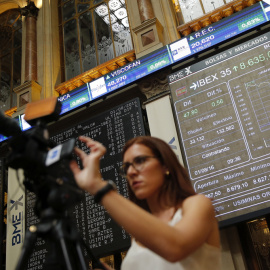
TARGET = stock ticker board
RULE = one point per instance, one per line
(222, 110)
(227, 28)
(169, 55)
(102, 235)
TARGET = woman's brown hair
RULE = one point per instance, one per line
(177, 185)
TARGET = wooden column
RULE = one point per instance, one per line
(149, 34)
(30, 12)
(146, 10)
(30, 90)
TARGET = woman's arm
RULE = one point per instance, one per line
(172, 243)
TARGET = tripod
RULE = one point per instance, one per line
(62, 234)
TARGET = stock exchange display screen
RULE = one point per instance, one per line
(222, 110)
(197, 42)
(100, 233)
(207, 37)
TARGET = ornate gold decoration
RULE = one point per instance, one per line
(95, 73)
(214, 16)
(11, 111)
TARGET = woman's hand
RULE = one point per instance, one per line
(89, 178)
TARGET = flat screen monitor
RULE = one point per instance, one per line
(222, 111)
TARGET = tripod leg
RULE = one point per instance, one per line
(95, 261)
(30, 239)
(80, 256)
(65, 253)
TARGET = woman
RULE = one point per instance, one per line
(173, 227)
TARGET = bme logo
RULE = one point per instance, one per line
(16, 219)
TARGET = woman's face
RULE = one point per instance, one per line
(148, 178)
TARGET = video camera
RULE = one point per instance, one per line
(45, 164)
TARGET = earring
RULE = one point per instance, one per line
(167, 173)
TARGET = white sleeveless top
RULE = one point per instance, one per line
(141, 258)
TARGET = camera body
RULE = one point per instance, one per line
(45, 164)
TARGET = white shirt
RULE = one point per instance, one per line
(140, 258)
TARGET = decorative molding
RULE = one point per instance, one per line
(30, 10)
(155, 85)
(155, 40)
(95, 73)
(32, 88)
(214, 16)
(11, 111)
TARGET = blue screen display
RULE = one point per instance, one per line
(175, 52)
(183, 48)
(23, 124)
